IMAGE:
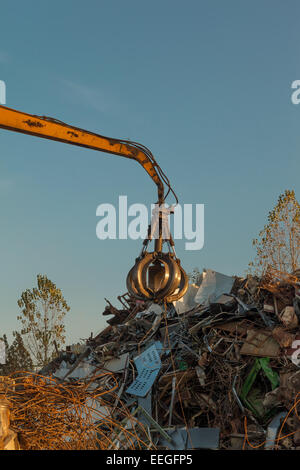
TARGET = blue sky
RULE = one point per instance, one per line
(205, 85)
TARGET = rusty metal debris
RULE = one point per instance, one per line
(218, 374)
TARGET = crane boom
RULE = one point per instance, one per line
(49, 128)
(156, 276)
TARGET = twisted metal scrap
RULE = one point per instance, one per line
(48, 415)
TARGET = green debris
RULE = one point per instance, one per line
(182, 365)
(251, 393)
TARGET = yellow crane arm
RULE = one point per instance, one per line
(49, 128)
(167, 280)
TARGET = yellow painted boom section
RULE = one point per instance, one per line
(49, 128)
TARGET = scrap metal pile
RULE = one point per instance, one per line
(218, 369)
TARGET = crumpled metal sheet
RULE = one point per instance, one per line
(260, 343)
(83, 370)
(194, 438)
(148, 365)
(153, 309)
(187, 302)
(213, 285)
(117, 364)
